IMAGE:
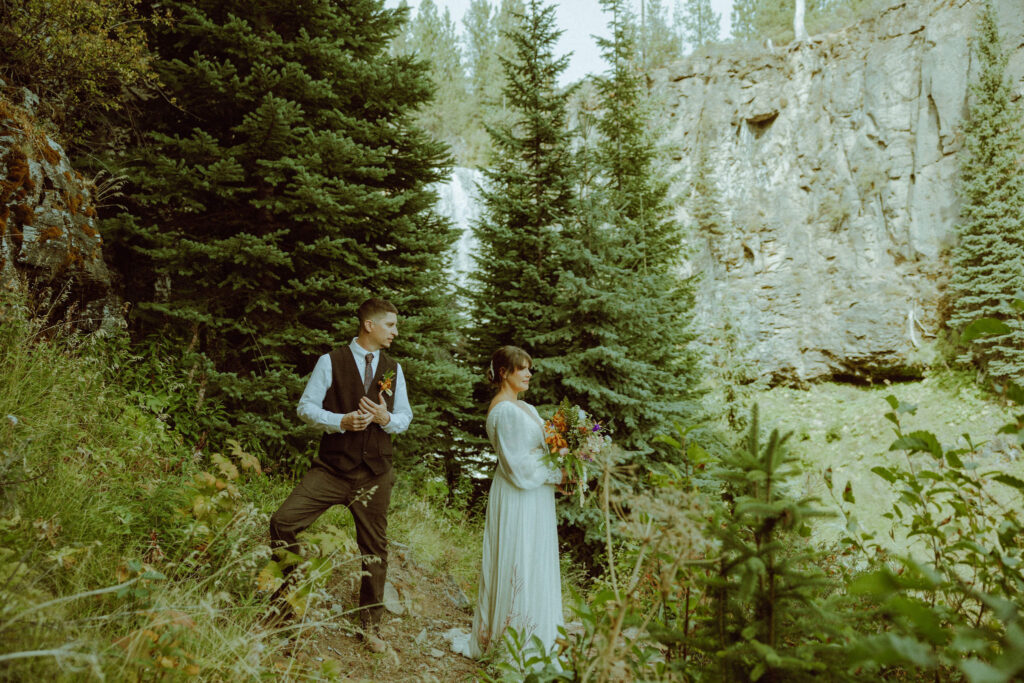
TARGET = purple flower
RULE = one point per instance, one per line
(596, 427)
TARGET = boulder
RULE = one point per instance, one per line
(48, 235)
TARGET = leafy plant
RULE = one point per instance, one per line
(766, 584)
(81, 57)
(953, 602)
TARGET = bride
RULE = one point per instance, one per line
(520, 585)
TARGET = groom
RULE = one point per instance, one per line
(357, 397)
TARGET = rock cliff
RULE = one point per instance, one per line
(48, 235)
(836, 161)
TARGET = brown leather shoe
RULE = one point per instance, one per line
(372, 640)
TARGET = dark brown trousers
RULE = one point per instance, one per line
(322, 488)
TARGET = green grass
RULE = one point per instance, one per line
(842, 428)
(113, 560)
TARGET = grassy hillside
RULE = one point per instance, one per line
(125, 554)
(842, 429)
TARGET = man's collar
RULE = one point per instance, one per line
(358, 349)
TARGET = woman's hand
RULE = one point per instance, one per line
(566, 481)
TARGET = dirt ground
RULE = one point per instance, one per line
(417, 651)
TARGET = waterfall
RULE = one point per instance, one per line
(459, 200)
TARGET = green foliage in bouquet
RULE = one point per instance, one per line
(575, 441)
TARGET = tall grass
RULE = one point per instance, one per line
(125, 553)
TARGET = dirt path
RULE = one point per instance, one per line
(428, 606)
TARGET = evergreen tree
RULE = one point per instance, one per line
(697, 23)
(281, 184)
(480, 40)
(495, 108)
(742, 21)
(773, 19)
(658, 43)
(988, 260)
(627, 360)
(527, 202)
(705, 200)
(762, 19)
(483, 44)
(767, 585)
(432, 37)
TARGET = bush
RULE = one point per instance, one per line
(119, 557)
(953, 602)
(713, 583)
(81, 57)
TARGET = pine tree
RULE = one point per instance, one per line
(432, 37)
(705, 205)
(697, 23)
(742, 20)
(773, 19)
(767, 585)
(280, 184)
(764, 19)
(495, 108)
(628, 359)
(658, 43)
(988, 260)
(528, 200)
(485, 43)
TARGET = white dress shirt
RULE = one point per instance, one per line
(311, 405)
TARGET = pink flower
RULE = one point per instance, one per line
(563, 451)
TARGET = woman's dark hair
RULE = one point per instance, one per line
(507, 359)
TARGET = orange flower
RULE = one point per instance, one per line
(385, 382)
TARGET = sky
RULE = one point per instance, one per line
(580, 19)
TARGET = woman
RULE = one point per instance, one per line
(520, 585)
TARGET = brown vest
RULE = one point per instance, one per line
(345, 451)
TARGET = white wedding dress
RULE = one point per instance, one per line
(520, 583)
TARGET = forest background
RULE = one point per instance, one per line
(258, 171)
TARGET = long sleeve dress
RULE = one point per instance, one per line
(520, 584)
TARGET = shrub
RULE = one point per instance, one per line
(81, 57)
(952, 602)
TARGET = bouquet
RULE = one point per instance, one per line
(386, 382)
(574, 440)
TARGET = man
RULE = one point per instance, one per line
(357, 397)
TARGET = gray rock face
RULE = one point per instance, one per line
(48, 235)
(837, 165)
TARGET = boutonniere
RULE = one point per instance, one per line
(386, 382)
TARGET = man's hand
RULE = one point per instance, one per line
(356, 421)
(378, 411)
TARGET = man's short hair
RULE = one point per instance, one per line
(373, 308)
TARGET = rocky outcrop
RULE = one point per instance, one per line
(836, 160)
(48, 235)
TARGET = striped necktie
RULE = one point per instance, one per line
(368, 373)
